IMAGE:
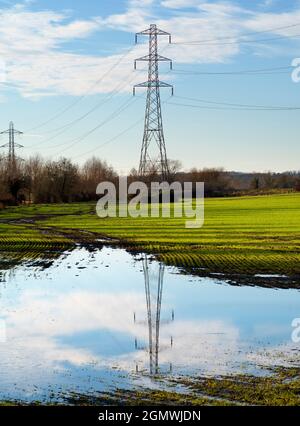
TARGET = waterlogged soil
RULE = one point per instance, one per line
(100, 325)
(92, 241)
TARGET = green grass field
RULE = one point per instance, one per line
(240, 235)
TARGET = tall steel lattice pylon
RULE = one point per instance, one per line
(153, 131)
(11, 145)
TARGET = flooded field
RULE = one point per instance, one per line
(97, 321)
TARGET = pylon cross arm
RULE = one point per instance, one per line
(152, 30)
(150, 58)
(15, 131)
(151, 84)
(149, 31)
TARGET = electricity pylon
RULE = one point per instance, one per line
(153, 290)
(11, 145)
(153, 130)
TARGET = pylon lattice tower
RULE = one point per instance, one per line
(11, 145)
(153, 130)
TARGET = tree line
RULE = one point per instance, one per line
(37, 180)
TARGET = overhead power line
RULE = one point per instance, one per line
(241, 41)
(216, 108)
(110, 140)
(76, 101)
(276, 107)
(252, 33)
(75, 141)
(114, 138)
(67, 126)
(259, 71)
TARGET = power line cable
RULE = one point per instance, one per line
(54, 117)
(261, 71)
(117, 136)
(111, 117)
(66, 127)
(110, 140)
(279, 107)
(117, 89)
(263, 40)
(93, 109)
(231, 108)
(270, 30)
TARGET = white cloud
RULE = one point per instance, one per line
(23, 31)
(43, 332)
(38, 64)
(31, 44)
(179, 4)
(66, 73)
(265, 21)
(137, 17)
(38, 327)
(268, 3)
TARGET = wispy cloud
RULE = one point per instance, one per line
(33, 43)
(179, 4)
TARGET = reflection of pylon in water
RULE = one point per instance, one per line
(153, 291)
(153, 314)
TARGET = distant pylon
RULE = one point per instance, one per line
(11, 145)
(153, 131)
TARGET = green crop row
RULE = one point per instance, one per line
(245, 234)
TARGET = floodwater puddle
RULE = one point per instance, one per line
(103, 320)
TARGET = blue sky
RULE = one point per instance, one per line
(67, 68)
